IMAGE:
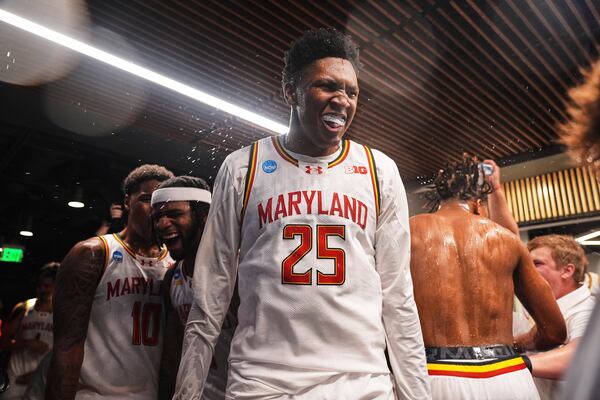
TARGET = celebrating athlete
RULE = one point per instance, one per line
(315, 227)
(108, 306)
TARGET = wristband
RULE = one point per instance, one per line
(527, 362)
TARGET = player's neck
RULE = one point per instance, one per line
(297, 141)
(455, 205)
(139, 244)
(187, 264)
(43, 306)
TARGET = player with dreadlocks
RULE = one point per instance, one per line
(465, 269)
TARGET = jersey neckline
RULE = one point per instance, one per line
(283, 153)
(163, 254)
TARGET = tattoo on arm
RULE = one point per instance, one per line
(74, 291)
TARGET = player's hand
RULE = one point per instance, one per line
(37, 346)
(116, 211)
(494, 178)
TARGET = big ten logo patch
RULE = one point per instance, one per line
(356, 169)
(269, 166)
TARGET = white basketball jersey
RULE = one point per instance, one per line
(34, 325)
(310, 295)
(182, 297)
(181, 293)
(124, 340)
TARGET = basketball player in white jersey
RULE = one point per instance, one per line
(108, 306)
(28, 333)
(179, 209)
(315, 227)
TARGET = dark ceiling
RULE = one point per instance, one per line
(439, 78)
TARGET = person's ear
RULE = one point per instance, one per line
(568, 271)
(126, 202)
(289, 94)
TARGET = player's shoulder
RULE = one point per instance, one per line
(240, 158)
(88, 253)
(421, 222)
(90, 245)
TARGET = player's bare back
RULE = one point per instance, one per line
(462, 268)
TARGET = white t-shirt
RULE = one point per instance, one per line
(324, 271)
(576, 307)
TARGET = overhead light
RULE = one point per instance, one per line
(585, 239)
(26, 233)
(137, 70)
(77, 201)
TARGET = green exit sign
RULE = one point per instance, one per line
(11, 254)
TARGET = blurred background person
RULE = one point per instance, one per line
(581, 135)
(562, 263)
(116, 223)
(28, 333)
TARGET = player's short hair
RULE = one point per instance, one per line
(581, 134)
(48, 270)
(565, 250)
(144, 173)
(199, 208)
(314, 45)
(462, 180)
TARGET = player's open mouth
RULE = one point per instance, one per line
(170, 238)
(334, 121)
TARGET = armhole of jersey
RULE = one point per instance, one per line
(374, 179)
(590, 281)
(106, 255)
(167, 288)
(252, 160)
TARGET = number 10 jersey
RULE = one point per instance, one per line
(124, 339)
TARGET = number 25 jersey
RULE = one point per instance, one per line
(311, 296)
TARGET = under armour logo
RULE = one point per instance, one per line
(310, 170)
(144, 262)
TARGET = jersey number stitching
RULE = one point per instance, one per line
(142, 317)
(338, 277)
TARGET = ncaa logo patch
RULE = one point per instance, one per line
(117, 256)
(269, 166)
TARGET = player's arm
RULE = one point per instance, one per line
(400, 317)
(215, 274)
(497, 204)
(172, 341)
(552, 364)
(535, 294)
(76, 284)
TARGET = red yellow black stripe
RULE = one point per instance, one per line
(486, 369)
(163, 253)
(343, 154)
(252, 161)
(289, 158)
(125, 245)
(281, 151)
(374, 180)
(106, 255)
